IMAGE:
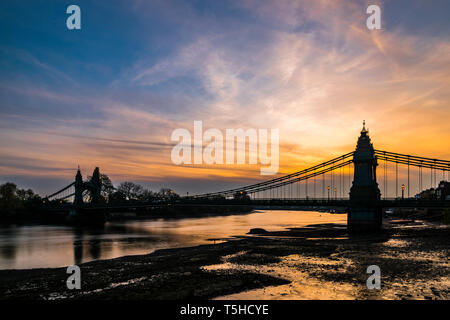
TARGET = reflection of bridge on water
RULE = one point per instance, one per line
(326, 184)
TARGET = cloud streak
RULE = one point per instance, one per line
(309, 68)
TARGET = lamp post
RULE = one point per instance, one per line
(328, 193)
(335, 194)
(403, 191)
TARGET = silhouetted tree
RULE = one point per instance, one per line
(9, 201)
(147, 195)
(107, 187)
(27, 195)
(130, 190)
(117, 198)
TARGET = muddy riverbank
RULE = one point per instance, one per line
(314, 262)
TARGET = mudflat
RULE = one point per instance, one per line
(313, 262)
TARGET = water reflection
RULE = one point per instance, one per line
(87, 240)
(40, 246)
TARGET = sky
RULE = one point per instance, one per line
(111, 94)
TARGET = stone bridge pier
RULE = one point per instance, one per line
(364, 212)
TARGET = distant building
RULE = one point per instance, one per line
(442, 192)
(428, 194)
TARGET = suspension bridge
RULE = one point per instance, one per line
(349, 180)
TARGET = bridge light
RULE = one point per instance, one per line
(328, 187)
(403, 187)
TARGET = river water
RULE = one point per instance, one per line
(44, 246)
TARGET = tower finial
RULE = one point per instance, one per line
(364, 130)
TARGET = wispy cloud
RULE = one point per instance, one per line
(309, 68)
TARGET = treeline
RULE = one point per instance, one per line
(132, 192)
(14, 200)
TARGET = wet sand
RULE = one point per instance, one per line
(313, 262)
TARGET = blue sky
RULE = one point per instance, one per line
(110, 94)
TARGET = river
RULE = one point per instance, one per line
(46, 246)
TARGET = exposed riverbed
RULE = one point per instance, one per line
(317, 261)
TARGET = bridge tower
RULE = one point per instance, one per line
(94, 185)
(78, 189)
(364, 212)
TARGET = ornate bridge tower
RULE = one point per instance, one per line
(78, 189)
(364, 213)
(94, 186)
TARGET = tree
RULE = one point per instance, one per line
(130, 190)
(107, 187)
(9, 201)
(116, 198)
(26, 195)
(8, 191)
(147, 195)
